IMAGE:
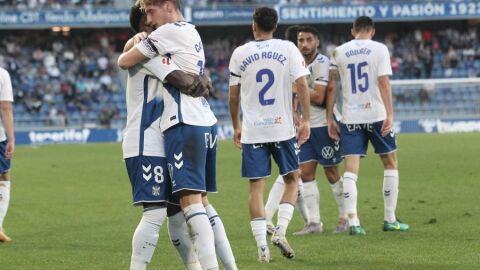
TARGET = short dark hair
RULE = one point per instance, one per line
(266, 18)
(136, 16)
(309, 29)
(363, 23)
(291, 33)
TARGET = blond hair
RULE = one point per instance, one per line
(144, 3)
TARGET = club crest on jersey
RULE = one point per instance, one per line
(278, 120)
(156, 190)
(166, 61)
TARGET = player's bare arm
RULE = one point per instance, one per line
(130, 58)
(234, 106)
(304, 98)
(386, 93)
(134, 41)
(331, 95)
(190, 84)
(7, 118)
(317, 95)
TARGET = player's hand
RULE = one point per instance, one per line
(297, 119)
(303, 133)
(387, 126)
(9, 149)
(200, 88)
(333, 130)
(237, 135)
(139, 37)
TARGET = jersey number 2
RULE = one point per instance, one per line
(266, 87)
(359, 74)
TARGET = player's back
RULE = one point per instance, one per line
(360, 62)
(267, 70)
(182, 43)
(142, 134)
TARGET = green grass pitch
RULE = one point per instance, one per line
(70, 209)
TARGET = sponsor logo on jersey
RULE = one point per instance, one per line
(327, 152)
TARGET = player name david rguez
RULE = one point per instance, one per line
(265, 55)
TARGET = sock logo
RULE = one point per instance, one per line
(386, 193)
(176, 242)
(212, 221)
(346, 195)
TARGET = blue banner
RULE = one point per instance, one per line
(242, 15)
(222, 15)
(419, 11)
(65, 17)
(225, 131)
(75, 136)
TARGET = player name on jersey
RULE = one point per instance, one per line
(264, 55)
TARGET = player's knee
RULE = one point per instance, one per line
(173, 209)
(308, 176)
(390, 161)
(5, 176)
(291, 178)
(332, 174)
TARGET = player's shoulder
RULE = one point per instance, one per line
(170, 28)
(377, 44)
(322, 59)
(4, 74)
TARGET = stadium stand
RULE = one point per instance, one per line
(70, 78)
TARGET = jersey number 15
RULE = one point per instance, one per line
(356, 73)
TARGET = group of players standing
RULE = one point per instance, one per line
(170, 138)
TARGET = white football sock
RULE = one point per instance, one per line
(222, 245)
(285, 213)
(350, 197)
(301, 204)
(145, 237)
(202, 235)
(274, 198)
(259, 230)
(180, 238)
(311, 195)
(390, 194)
(337, 190)
(4, 200)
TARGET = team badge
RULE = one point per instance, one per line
(156, 190)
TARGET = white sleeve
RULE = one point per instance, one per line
(158, 42)
(297, 64)
(384, 65)
(160, 67)
(6, 92)
(235, 76)
(321, 76)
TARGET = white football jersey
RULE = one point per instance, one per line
(142, 134)
(360, 62)
(319, 70)
(181, 42)
(265, 71)
(6, 94)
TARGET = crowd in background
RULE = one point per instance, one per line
(55, 4)
(73, 80)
